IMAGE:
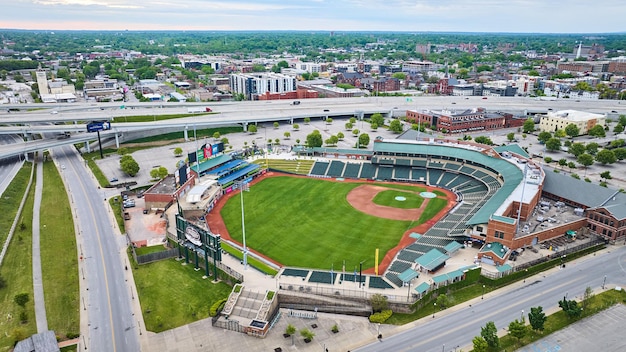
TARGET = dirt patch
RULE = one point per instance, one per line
(362, 199)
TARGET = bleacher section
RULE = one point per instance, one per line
(323, 277)
(237, 174)
(352, 170)
(403, 162)
(384, 173)
(319, 168)
(418, 174)
(433, 176)
(336, 169)
(402, 172)
(295, 272)
(378, 282)
(419, 162)
(368, 171)
(447, 177)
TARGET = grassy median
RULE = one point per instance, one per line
(59, 257)
(16, 270)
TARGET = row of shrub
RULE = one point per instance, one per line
(381, 317)
(217, 306)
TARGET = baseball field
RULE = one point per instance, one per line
(313, 223)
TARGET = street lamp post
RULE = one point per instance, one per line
(604, 282)
(434, 309)
(522, 316)
(483, 295)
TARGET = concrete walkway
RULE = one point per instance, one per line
(40, 304)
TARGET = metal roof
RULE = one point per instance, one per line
(432, 259)
(578, 191)
(408, 275)
(513, 148)
(452, 247)
(448, 276)
(423, 287)
(211, 163)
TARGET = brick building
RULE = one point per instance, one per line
(469, 120)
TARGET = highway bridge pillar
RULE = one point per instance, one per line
(87, 146)
(245, 127)
(117, 141)
(291, 121)
(186, 134)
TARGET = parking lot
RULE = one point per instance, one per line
(144, 229)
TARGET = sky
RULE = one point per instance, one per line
(521, 16)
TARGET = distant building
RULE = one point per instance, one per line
(413, 67)
(470, 120)
(583, 66)
(253, 85)
(42, 82)
(556, 120)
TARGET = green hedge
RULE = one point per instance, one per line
(217, 306)
(381, 317)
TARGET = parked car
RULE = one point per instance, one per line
(114, 179)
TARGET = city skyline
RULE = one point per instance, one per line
(516, 16)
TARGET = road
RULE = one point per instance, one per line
(107, 302)
(455, 329)
(232, 113)
(10, 166)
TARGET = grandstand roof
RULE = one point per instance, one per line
(239, 173)
(211, 163)
(423, 287)
(408, 275)
(513, 148)
(452, 247)
(322, 150)
(432, 259)
(511, 174)
(448, 276)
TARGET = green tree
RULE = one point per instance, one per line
(571, 165)
(571, 308)
(576, 149)
(364, 140)
(606, 156)
(560, 133)
(252, 128)
(122, 151)
(349, 125)
(617, 143)
(21, 299)
(585, 160)
(296, 126)
(216, 135)
(399, 75)
(178, 151)
(129, 165)
(572, 130)
(276, 124)
(307, 334)
(597, 131)
(537, 318)
(395, 126)
(480, 344)
(483, 140)
(562, 162)
(352, 120)
(443, 301)
(224, 141)
(547, 159)
(355, 132)
(287, 135)
(490, 333)
(529, 126)
(374, 126)
(619, 128)
(553, 144)
(290, 330)
(329, 121)
(314, 139)
(544, 136)
(592, 148)
(307, 120)
(510, 136)
(378, 119)
(340, 135)
(620, 153)
(379, 303)
(517, 329)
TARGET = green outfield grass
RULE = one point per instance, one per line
(309, 223)
(388, 198)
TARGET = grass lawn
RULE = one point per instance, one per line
(116, 207)
(11, 199)
(309, 223)
(300, 166)
(388, 198)
(151, 249)
(173, 295)
(16, 270)
(59, 262)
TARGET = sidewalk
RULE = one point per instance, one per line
(40, 304)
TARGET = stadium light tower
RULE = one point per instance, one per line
(243, 186)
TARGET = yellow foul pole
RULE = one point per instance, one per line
(376, 261)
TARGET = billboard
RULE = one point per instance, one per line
(207, 151)
(97, 126)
